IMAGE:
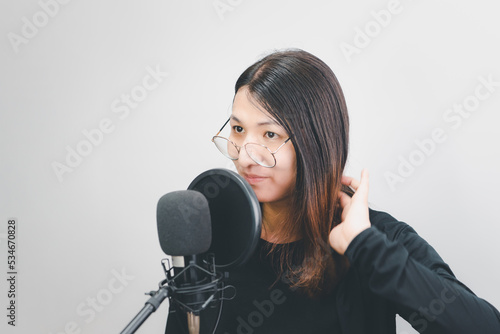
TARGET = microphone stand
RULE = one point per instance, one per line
(151, 306)
(192, 298)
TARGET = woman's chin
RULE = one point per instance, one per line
(262, 197)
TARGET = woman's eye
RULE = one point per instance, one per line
(237, 128)
(271, 135)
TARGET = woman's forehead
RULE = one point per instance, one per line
(247, 110)
(263, 120)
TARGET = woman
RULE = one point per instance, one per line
(325, 263)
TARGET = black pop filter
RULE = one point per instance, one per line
(235, 214)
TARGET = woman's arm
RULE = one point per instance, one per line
(403, 268)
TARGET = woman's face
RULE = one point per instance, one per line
(249, 124)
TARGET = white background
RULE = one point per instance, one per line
(75, 232)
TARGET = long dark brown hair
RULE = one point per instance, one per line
(304, 96)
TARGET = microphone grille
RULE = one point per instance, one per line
(184, 226)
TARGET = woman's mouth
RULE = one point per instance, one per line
(253, 179)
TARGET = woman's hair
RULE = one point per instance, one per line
(303, 95)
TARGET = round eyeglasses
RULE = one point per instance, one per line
(261, 154)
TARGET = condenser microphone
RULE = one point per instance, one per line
(183, 221)
(184, 231)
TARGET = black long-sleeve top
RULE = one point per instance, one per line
(392, 271)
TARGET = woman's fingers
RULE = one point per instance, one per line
(354, 183)
(350, 181)
(344, 199)
(355, 215)
(363, 186)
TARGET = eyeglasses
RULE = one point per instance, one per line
(261, 154)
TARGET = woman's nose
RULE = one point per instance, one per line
(244, 159)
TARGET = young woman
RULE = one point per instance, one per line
(325, 263)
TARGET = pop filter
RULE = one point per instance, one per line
(235, 214)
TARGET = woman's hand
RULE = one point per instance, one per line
(355, 217)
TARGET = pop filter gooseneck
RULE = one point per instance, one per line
(235, 215)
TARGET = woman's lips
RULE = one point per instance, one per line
(254, 179)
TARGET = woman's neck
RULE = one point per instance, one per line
(274, 215)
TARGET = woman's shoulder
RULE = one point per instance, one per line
(387, 224)
(402, 233)
(393, 228)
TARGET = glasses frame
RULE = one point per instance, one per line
(238, 148)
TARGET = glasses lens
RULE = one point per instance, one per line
(260, 155)
(226, 147)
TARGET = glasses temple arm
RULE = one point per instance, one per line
(286, 141)
(223, 126)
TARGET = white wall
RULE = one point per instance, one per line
(69, 74)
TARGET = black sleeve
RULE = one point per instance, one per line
(404, 269)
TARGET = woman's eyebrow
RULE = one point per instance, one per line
(269, 122)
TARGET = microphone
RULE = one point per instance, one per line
(184, 231)
(183, 221)
(184, 228)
